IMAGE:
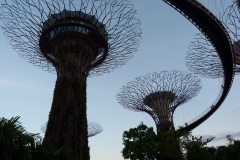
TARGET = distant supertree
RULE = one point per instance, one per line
(93, 128)
(159, 94)
(206, 139)
(202, 58)
(198, 141)
(203, 141)
(75, 39)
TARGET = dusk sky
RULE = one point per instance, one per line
(27, 90)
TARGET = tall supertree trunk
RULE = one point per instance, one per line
(75, 39)
(67, 119)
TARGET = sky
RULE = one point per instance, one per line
(27, 91)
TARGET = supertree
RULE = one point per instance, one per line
(202, 58)
(197, 141)
(75, 39)
(159, 94)
(200, 140)
(93, 128)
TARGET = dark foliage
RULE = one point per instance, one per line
(231, 151)
(17, 144)
(142, 143)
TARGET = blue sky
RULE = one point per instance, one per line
(26, 90)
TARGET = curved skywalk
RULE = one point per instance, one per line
(216, 33)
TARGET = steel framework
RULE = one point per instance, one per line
(199, 141)
(75, 39)
(203, 141)
(203, 60)
(159, 94)
(94, 129)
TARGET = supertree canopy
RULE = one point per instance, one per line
(206, 139)
(190, 142)
(159, 94)
(93, 128)
(35, 28)
(202, 58)
(74, 39)
(200, 140)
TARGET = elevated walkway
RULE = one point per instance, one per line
(216, 33)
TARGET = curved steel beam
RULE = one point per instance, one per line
(216, 33)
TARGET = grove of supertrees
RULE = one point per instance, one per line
(75, 39)
(202, 58)
(159, 95)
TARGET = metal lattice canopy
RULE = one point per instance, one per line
(159, 94)
(108, 30)
(202, 58)
(203, 141)
(93, 128)
(207, 138)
